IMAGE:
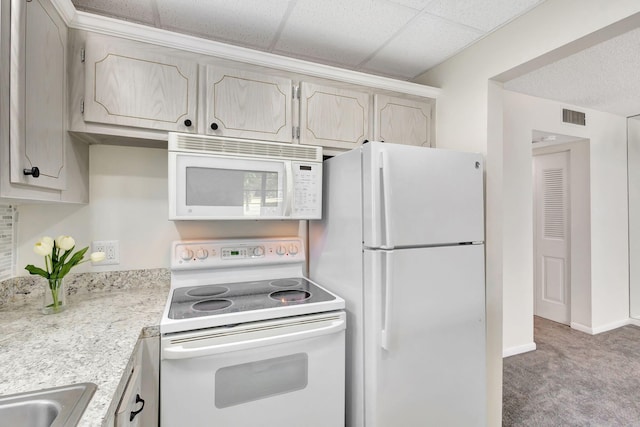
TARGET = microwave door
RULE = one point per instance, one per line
(208, 187)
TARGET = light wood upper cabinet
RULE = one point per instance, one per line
(38, 95)
(248, 105)
(128, 84)
(332, 117)
(402, 121)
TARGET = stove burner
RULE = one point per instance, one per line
(212, 304)
(285, 283)
(290, 296)
(207, 291)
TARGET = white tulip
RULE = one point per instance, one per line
(48, 240)
(65, 242)
(97, 256)
(42, 248)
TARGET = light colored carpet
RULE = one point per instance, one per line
(574, 379)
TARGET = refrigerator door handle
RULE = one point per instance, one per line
(384, 199)
(385, 333)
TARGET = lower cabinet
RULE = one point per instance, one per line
(139, 403)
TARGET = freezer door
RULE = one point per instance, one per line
(416, 196)
(425, 337)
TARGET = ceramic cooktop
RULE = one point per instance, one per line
(226, 298)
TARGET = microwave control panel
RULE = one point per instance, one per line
(307, 190)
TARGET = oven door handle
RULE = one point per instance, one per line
(188, 349)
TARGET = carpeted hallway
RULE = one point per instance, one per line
(574, 379)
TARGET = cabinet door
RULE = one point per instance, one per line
(402, 121)
(132, 403)
(38, 95)
(248, 105)
(331, 117)
(132, 84)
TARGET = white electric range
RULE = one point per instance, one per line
(248, 340)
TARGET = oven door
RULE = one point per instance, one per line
(212, 187)
(286, 373)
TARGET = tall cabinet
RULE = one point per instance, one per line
(39, 159)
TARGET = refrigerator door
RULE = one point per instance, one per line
(425, 340)
(416, 196)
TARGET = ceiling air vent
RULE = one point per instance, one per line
(574, 117)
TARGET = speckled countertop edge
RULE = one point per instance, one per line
(92, 341)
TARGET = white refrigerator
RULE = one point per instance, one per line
(402, 241)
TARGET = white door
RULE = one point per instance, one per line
(552, 241)
(424, 347)
(416, 196)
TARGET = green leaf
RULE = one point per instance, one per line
(65, 256)
(63, 269)
(54, 254)
(37, 270)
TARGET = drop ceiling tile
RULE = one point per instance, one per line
(140, 11)
(414, 4)
(484, 15)
(252, 23)
(340, 32)
(426, 42)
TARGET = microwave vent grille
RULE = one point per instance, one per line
(243, 147)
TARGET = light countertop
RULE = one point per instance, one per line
(91, 341)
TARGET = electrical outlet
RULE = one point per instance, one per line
(111, 250)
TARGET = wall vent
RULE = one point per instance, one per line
(574, 117)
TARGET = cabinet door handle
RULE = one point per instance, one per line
(134, 413)
(34, 172)
(214, 126)
(188, 123)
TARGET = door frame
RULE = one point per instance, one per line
(580, 222)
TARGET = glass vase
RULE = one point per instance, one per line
(55, 296)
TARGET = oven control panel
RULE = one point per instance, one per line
(225, 253)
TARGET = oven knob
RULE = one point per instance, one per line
(202, 254)
(186, 254)
(258, 251)
(293, 249)
(281, 250)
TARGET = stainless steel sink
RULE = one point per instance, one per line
(52, 407)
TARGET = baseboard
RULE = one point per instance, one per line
(512, 351)
(604, 328)
(635, 322)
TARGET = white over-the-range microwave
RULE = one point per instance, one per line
(223, 178)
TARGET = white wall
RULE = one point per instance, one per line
(469, 115)
(128, 203)
(633, 126)
(604, 303)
